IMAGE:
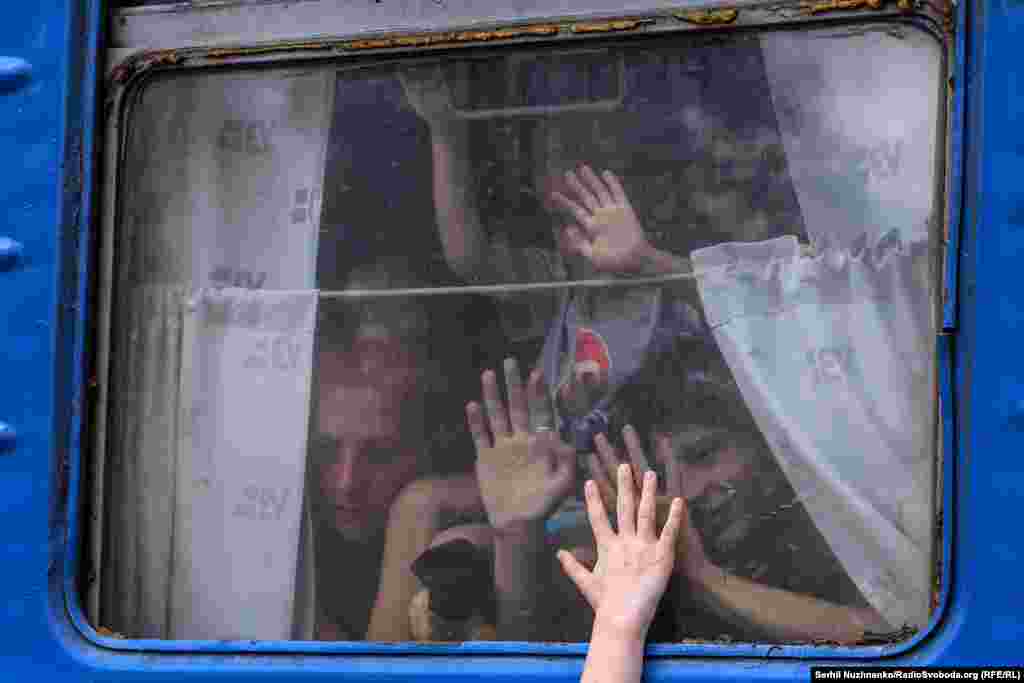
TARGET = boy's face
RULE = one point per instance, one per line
(709, 458)
(730, 482)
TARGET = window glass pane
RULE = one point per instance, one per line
(726, 244)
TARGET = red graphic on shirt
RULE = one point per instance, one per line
(592, 361)
(587, 382)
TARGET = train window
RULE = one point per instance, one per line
(375, 322)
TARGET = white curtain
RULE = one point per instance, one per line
(211, 354)
(241, 464)
(834, 352)
(830, 356)
(858, 113)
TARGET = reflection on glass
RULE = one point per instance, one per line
(375, 327)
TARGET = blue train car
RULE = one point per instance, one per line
(260, 257)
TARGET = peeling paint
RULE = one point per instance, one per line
(610, 26)
(263, 49)
(400, 41)
(948, 11)
(833, 5)
(124, 71)
(708, 16)
(839, 5)
(104, 631)
(427, 39)
(537, 30)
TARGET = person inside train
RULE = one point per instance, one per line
(594, 337)
(379, 425)
(750, 563)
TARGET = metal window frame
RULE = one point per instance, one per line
(154, 40)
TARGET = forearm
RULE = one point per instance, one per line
(613, 656)
(415, 519)
(523, 567)
(407, 537)
(462, 236)
(783, 615)
(654, 261)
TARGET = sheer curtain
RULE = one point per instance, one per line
(834, 352)
(211, 354)
(241, 464)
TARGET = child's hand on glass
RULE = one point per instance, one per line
(634, 564)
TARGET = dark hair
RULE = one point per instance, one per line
(687, 383)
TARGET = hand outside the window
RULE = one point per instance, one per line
(691, 560)
(523, 474)
(603, 465)
(633, 565)
(607, 231)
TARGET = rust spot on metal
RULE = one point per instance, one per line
(417, 41)
(835, 5)
(544, 30)
(224, 53)
(104, 631)
(124, 71)
(948, 12)
(506, 33)
(609, 26)
(370, 44)
(167, 57)
(708, 17)
(840, 5)
(428, 39)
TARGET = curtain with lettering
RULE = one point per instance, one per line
(833, 347)
(211, 350)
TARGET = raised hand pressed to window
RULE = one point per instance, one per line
(523, 474)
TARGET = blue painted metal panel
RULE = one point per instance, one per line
(991, 310)
(955, 165)
(48, 114)
(32, 110)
